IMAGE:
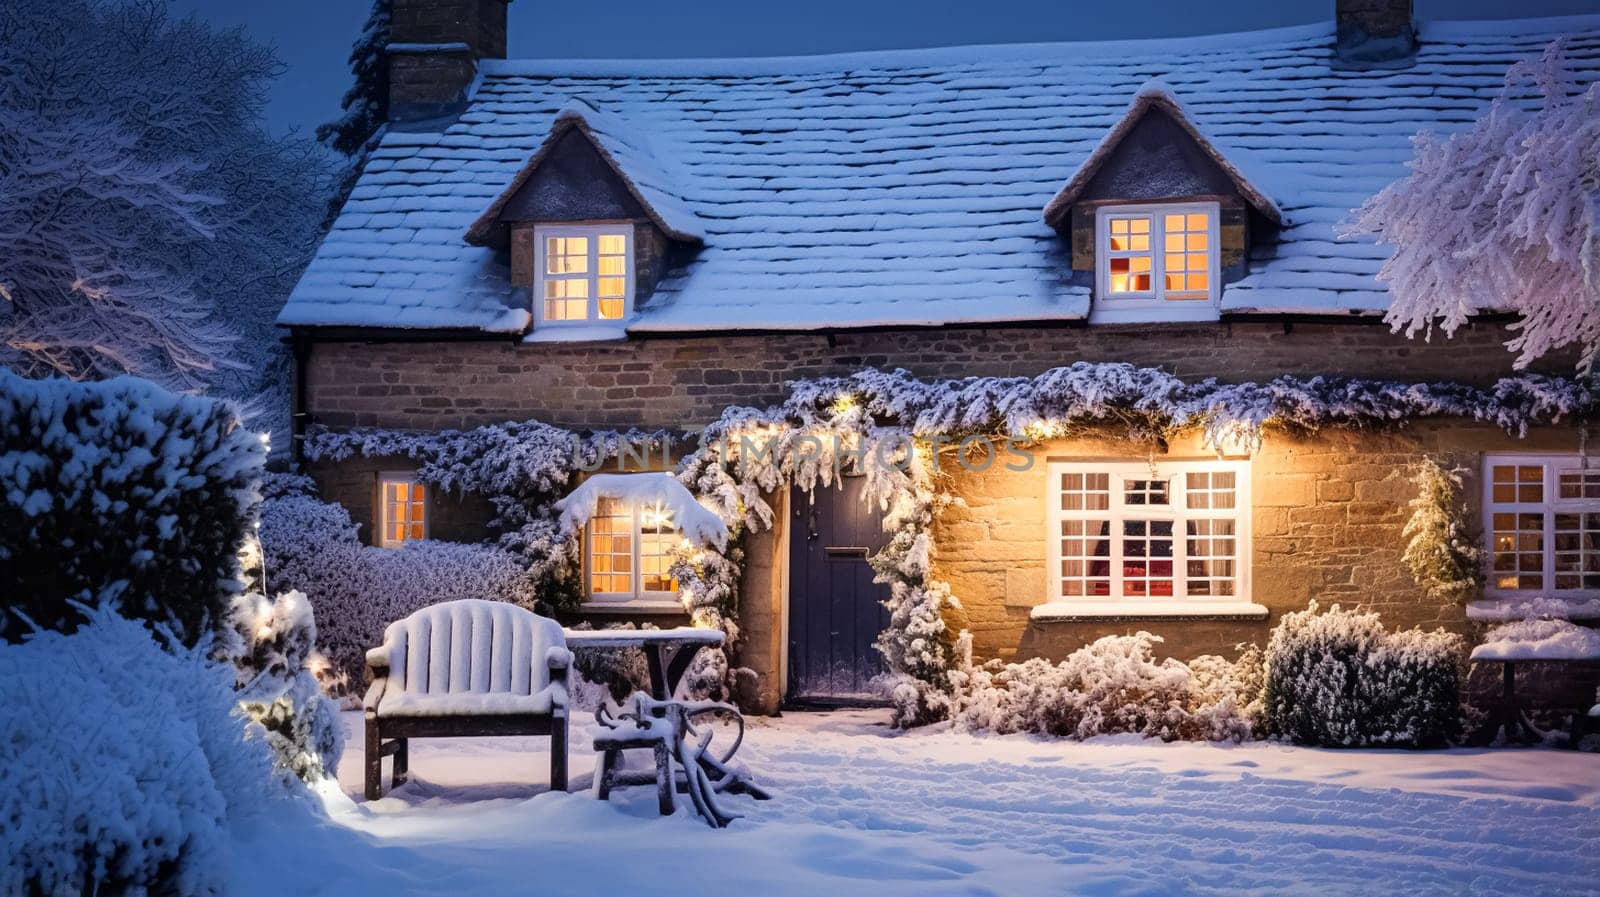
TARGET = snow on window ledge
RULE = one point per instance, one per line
(1060, 611)
(1501, 610)
(641, 606)
(577, 333)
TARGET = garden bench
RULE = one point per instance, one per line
(466, 668)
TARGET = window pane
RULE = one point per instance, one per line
(1085, 558)
(611, 548)
(566, 255)
(1144, 492)
(1517, 550)
(613, 244)
(1578, 484)
(402, 512)
(1577, 551)
(566, 300)
(1147, 558)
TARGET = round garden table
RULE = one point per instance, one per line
(667, 652)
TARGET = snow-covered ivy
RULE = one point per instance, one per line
(893, 429)
(522, 468)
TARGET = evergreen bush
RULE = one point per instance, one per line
(1339, 679)
(312, 546)
(123, 490)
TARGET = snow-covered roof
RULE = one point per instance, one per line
(1247, 172)
(908, 187)
(642, 167)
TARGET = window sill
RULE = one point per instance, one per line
(1067, 611)
(1152, 311)
(645, 606)
(577, 333)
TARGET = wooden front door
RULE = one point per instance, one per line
(835, 609)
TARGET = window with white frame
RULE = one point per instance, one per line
(629, 554)
(402, 509)
(1542, 520)
(583, 274)
(1157, 254)
(1172, 530)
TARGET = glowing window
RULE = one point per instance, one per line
(1158, 253)
(402, 509)
(1542, 520)
(1130, 530)
(583, 274)
(630, 552)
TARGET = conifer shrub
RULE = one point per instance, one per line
(121, 490)
(1339, 679)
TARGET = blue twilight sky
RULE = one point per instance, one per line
(313, 37)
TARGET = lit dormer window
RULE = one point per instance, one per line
(1152, 255)
(583, 273)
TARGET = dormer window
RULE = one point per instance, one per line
(583, 273)
(1151, 255)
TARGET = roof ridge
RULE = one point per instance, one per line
(1028, 52)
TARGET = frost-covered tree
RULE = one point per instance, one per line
(148, 222)
(1505, 214)
(366, 103)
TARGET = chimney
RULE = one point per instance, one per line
(434, 48)
(1374, 31)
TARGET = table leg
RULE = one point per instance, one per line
(658, 672)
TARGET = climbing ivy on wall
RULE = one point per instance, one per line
(892, 428)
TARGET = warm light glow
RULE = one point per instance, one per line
(1158, 256)
(578, 269)
(844, 404)
(402, 510)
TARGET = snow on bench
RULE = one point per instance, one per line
(466, 668)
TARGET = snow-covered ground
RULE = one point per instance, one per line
(862, 809)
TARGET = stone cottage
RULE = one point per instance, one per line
(615, 244)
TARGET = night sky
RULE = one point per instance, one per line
(313, 37)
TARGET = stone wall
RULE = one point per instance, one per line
(1328, 510)
(684, 381)
(354, 483)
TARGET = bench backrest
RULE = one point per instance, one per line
(471, 646)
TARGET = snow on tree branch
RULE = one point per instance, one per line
(147, 223)
(1503, 216)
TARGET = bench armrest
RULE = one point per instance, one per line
(557, 657)
(378, 676)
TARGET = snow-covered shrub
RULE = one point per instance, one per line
(276, 675)
(1113, 685)
(313, 547)
(123, 764)
(1442, 556)
(1339, 679)
(120, 489)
